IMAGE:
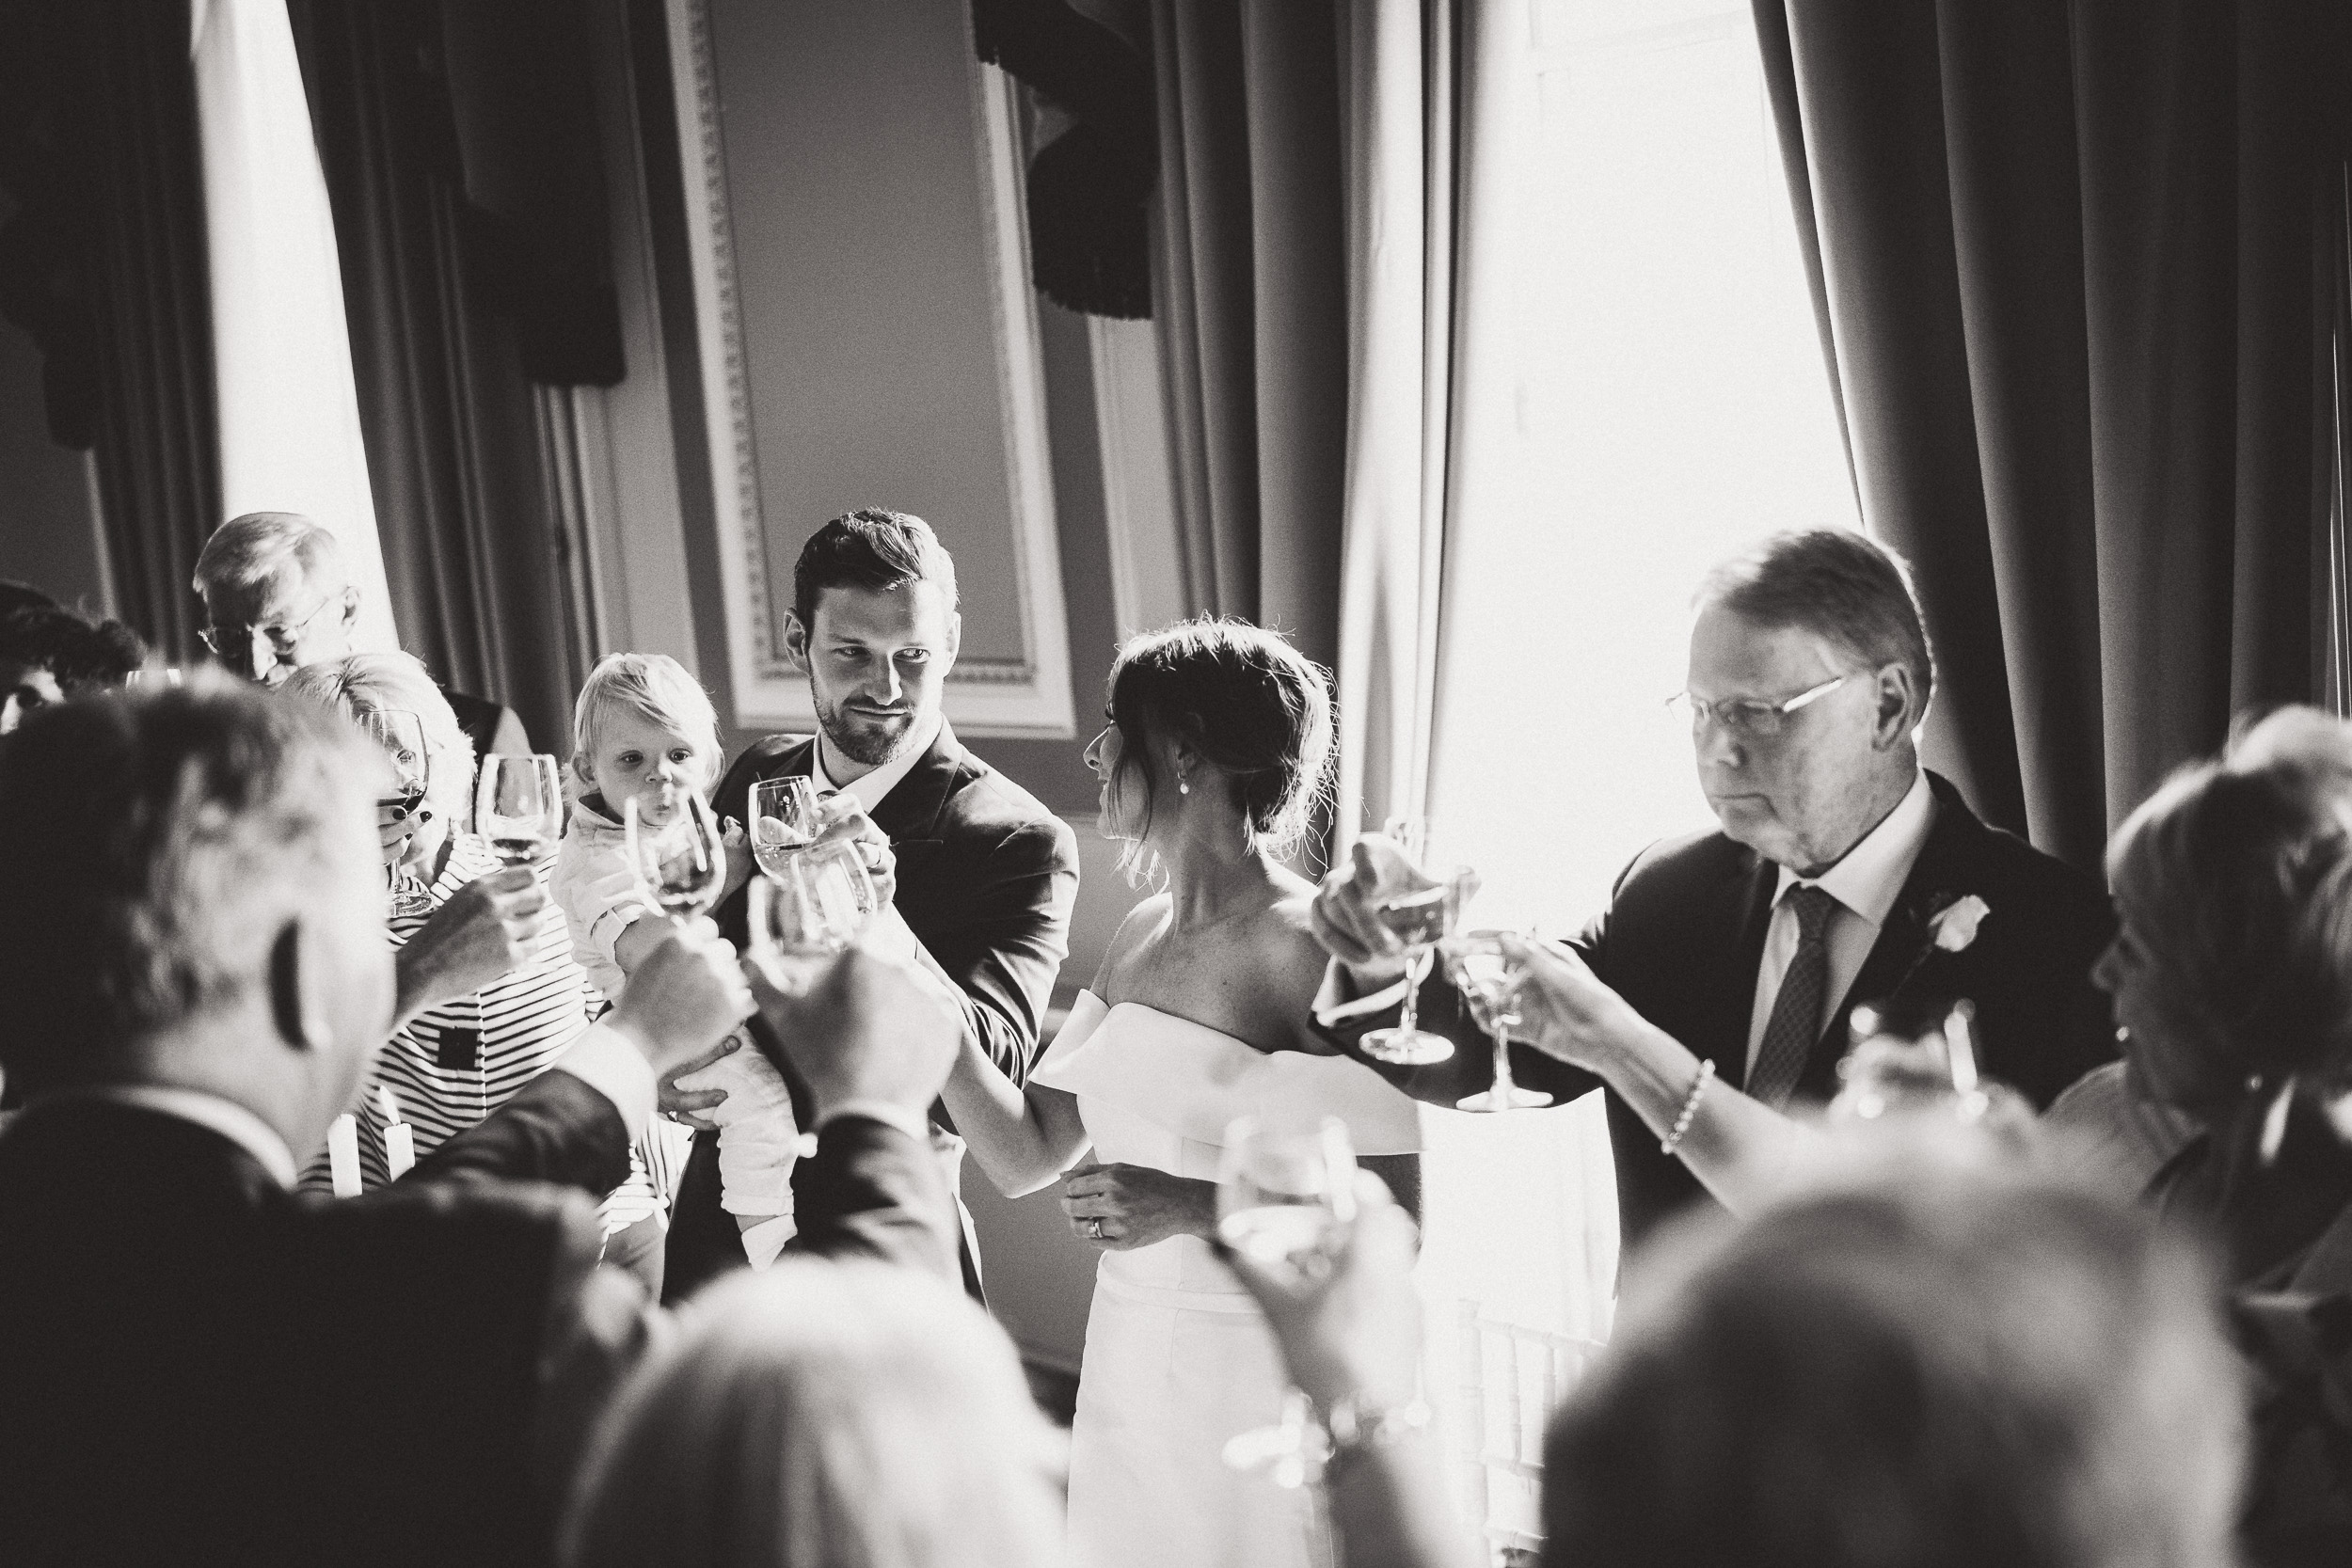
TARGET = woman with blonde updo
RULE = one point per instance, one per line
(1213, 761)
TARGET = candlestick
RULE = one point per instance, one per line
(342, 1155)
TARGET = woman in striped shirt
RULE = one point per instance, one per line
(455, 1062)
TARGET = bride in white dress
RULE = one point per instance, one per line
(1220, 733)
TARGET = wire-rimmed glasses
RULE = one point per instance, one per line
(400, 735)
(1752, 717)
(518, 806)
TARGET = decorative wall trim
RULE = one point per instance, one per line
(1028, 696)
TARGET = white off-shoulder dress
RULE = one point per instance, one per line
(1178, 1358)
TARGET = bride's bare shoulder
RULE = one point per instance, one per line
(1285, 936)
(1142, 922)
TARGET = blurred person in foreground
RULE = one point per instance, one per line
(1928, 1365)
(278, 596)
(49, 656)
(823, 1415)
(2232, 976)
(202, 1365)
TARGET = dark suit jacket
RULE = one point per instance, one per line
(1684, 934)
(492, 727)
(986, 879)
(199, 1366)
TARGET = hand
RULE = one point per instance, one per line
(1345, 914)
(683, 998)
(1353, 1327)
(486, 931)
(864, 1028)
(1117, 1208)
(395, 829)
(741, 864)
(1564, 1010)
(681, 1105)
(842, 820)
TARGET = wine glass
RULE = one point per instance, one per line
(401, 734)
(1482, 972)
(1419, 920)
(683, 862)
(151, 677)
(784, 820)
(518, 806)
(1285, 1195)
(1905, 1066)
(810, 912)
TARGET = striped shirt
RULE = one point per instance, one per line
(453, 1064)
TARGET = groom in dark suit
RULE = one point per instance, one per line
(201, 1365)
(984, 876)
(1842, 872)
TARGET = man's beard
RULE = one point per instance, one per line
(861, 740)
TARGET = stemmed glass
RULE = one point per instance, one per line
(1284, 1194)
(401, 734)
(518, 806)
(1482, 972)
(783, 821)
(1928, 1066)
(810, 911)
(151, 677)
(683, 862)
(1419, 920)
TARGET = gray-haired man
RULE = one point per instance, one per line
(277, 596)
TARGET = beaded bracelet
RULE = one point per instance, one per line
(1690, 1108)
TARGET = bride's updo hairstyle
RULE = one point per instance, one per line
(1250, 705)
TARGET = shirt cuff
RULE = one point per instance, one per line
(607, 1062)
(1334, 1005)
(763, 1241)
(914, 1126)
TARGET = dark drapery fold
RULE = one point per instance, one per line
(1252, 287)
(105, 265)
(2068, 262)
(475, 262)
(1089, 62)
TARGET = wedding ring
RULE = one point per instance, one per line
(1094, 1229)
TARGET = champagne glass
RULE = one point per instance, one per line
(1286, 1195)
(1419, 920)
(683, 862)
(518, 806)
(401, 734)
(1480, 970)
(784, 820)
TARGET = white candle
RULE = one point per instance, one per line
(342, 1155)
(400, 1149)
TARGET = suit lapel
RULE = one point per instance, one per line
(911, 813)
(1746, 905)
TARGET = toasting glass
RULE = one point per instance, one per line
(518, 806)
(1482, 972)
(401, 734)
(683, 862)
(1284, 1197)
(783, 821)
(1419, 920)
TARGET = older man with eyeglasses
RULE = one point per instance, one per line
(1720, 985)
(276, 597)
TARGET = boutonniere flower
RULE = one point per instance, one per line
(1951, 928)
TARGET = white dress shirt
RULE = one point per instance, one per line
(1866, 884)
(874, 787)
(602, 1058)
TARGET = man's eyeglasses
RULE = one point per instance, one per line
(1748, 717)
(224, 640)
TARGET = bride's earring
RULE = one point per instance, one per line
(1184, 786)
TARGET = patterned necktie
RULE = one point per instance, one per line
(1796, 1021)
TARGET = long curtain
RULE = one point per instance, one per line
(462, 161)
(1250, 297)
(2072, 265)
(105, 265)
